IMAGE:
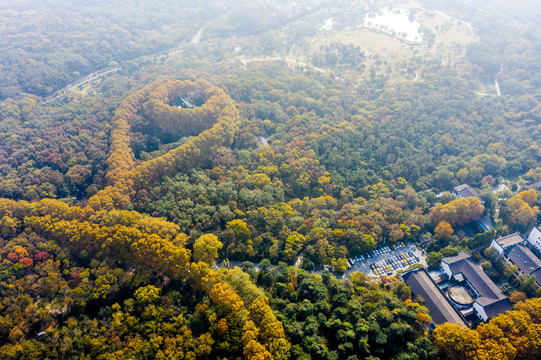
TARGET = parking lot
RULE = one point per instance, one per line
(387, 260)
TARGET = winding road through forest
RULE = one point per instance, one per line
(111, 70)
(161, 55)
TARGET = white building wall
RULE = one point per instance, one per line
(446, 269)
(480, 311)
(535, 238)
(497, 246)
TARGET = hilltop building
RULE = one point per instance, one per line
(182, 103)
(464, 191)
(487, 300)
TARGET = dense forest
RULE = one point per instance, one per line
(135, 227)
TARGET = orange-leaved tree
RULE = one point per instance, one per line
(457, 212)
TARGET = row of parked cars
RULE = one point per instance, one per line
(387, 249)
(322, 267)
(376, 252)
(398, 262)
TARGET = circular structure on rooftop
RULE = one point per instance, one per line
(460, 295)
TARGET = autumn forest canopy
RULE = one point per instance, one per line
(185, 180)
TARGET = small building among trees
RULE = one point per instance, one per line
(465, 191)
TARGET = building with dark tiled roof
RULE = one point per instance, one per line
(464, 191)
(489, 300)
(513, 248)
(506, 242)
(182, 103)
(523, 258)
(537, 274)
(487, 308)
(439, 307)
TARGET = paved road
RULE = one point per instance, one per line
(496, 83)
(262, 141)
(197, 36)
(107, 71)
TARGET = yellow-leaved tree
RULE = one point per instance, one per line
(515, 334)
(444, 230)
(206, 248)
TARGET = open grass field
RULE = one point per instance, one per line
(369, 41)
(451, 37)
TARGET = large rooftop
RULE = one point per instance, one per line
(523, 258)
(462, 263)
(495, 307)
(457, 258)
(510, 240)
(466, 191)
(439, 307)
(490, 296)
